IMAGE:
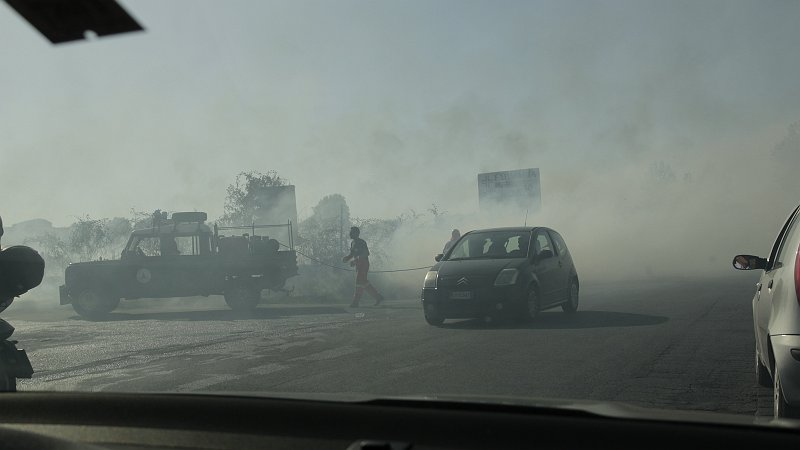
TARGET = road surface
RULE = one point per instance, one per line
(678, 344)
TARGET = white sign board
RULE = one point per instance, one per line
(519, 189)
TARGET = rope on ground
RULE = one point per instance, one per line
(351, 270)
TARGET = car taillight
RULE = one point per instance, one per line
(797, 275)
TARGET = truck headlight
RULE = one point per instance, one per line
(430, 279)
(506, 277)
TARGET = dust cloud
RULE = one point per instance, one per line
(662, 131)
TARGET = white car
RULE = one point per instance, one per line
(776, 317)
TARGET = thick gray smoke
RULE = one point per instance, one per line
(662, 129)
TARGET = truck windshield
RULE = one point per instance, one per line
(492, 245)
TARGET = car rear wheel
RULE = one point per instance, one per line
(94, 304)
(571, 305)
(782, 409)
(242, 298)
(532, 305)
(762, 374)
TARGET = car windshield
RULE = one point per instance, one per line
(492, 245)
(516, 200)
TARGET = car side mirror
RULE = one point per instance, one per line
(438, 257)
(544, 254)
(748, 262)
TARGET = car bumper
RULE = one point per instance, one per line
(786, 349)
(483, 302)
(63, 295)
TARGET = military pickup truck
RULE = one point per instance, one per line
(182, 257)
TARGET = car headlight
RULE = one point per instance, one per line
(430, 279)
(506, 277)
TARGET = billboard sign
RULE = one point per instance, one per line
(517, 189)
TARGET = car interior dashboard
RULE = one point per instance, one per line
(170, 421)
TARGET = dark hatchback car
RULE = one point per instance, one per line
(511, 272)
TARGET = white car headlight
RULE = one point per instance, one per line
(506, 277)
(430, 279)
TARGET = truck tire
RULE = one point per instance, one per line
(241, 297)
(93, 304)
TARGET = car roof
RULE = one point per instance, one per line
(529, 229)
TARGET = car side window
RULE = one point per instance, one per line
(461, 250)
(542, 243)
(486, 245)
(779, 241)
(786, 251)
(558, 243)
(517, 246)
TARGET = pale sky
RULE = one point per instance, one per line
(393, 104)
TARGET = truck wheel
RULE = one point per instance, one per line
(93, 305)
(242, 298)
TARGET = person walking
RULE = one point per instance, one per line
(359, 258)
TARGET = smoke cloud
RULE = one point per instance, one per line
(662, 131)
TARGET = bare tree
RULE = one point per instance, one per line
(88, 237)
(54, 250)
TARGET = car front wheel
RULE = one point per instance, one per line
(532, 305)
(571, 305)
(436, 321)
(782, 409)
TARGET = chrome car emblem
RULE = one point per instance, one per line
(462, 281)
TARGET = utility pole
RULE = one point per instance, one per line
(341, 228)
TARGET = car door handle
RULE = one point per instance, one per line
(769, 286)
(758, 287)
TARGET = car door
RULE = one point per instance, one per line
(148, 273)
(763, 300)
(564, 266)
(546, 268)
(192, 269)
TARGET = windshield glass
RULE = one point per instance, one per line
(492, 245)
(311, 160)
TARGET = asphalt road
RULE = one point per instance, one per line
(678, 344)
